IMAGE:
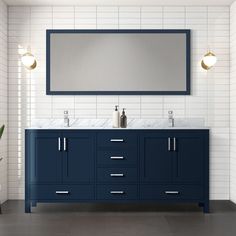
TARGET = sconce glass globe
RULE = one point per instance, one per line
(29, 61)
(208, 60)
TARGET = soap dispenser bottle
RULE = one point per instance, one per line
(123, 119)
(116, 118)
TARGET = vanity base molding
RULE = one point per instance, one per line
(117, 166)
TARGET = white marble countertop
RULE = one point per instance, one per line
(111, 128)
(133, 124)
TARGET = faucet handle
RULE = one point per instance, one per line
(170, 114)
(66, 119)
(170, 119)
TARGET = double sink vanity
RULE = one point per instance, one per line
(92, 162)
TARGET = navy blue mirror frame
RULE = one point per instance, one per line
(187, 32)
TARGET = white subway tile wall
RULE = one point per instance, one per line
(3, 100)
(233, 103)
(209, 90)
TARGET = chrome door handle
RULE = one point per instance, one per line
(117, 192)
(174, 144)
(59, 144)
(169, 144)
(62, 192)
(117, 140)
(117, 158)
(171, 192)
(117, 175)
(64, 144)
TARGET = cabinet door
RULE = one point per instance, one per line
(78, 157)
(46, 157)
(156, 161)
(189, 157)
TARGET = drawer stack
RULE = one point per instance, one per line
(117, 166)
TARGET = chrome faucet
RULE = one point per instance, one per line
(171, 120)
(66, 119)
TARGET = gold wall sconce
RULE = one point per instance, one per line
(29, 60)
(209, 60)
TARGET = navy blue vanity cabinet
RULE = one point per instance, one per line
(59, 166)
(123, 165)
(174, 166)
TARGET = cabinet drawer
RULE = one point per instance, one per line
(116, 139)
(117, 157)
(117, 192)
(115, 175)
(62, 192)
(169, 192)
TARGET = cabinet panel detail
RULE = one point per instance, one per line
(62, 192)
(118, 157)
(171, 192)
(78, 159)
(117, 192)
(117, 175)
(156, 159)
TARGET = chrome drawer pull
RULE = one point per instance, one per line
(117, 158)
(174, 144)
(117, 140)
(62, 192)
(168, 144)
(64, 144)
(117, 175)
(171, 192)
(59, 144)
(117, 192)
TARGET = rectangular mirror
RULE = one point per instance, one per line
(118, 62)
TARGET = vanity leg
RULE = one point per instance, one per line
(200, 204)
(27, 206)
(206, 207)
(34, 203)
